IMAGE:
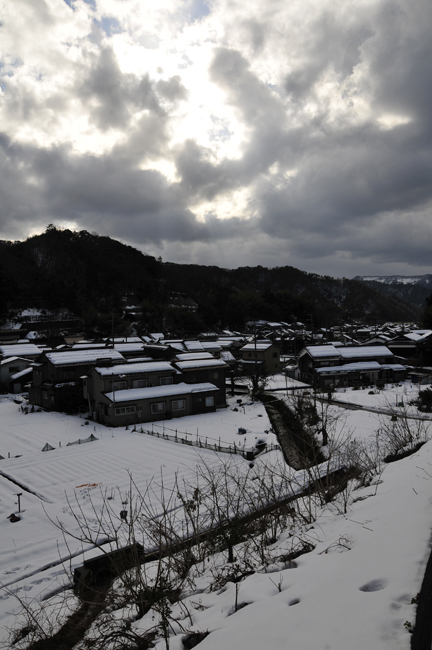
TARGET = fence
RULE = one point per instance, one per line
(216, 446)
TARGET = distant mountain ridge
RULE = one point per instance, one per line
(412, 288)
(423, 280)
(93, 276)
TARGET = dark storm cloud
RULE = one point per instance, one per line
(332, 44)
(98, 192)
(336, 155)
(111, 95)
(347, 176)
(400, 59)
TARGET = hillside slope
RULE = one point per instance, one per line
(90, 274)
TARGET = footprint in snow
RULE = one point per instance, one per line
(374, 585)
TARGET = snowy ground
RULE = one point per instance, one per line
(353, 590)
(395, 396)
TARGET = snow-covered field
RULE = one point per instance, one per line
(353, 590)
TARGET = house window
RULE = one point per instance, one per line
(158, 407)
(125, 410)
(118, 385)
(213, 375)
(139, 383)
(178, 405)
(274, 355)
(209, 401)
(166, 381)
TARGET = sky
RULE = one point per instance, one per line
(223, 132)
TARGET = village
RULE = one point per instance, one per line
(105, 423)
(125, 380)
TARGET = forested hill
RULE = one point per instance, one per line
(284, 293)
(414, 289)
(91, 274)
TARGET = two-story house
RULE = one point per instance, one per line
(145, 392)
(207, 370)
(57, 376)
(331, 365)
(262, 356)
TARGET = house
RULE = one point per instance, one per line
(119, 392)
(262, 355)
(57, 382)
(413, 345)
(10, 372)
(101, 380)
(20, 381)
(145, 392)
(21, 349)
(331, 365)
(148, 404)
(205, 371)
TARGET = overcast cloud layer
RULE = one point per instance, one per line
(222, 132)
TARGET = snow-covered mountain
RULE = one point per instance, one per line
(412, 288)
(422, 280)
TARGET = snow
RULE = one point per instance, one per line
(365, 351)
(260, 347)
(26, 371)
(19, 350)
(365, 365)
(133, 394)
(129, 347)
(350, 352)
(82, 356)
(128, 369)
(353, 590)
(190, 356)
(201, 363)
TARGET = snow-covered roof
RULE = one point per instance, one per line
(177, 346)
(419, 335)
(350, 367)
(191, 356)
(193, 345)
(200, 363)
(73, 357)
(260, 347)
(360, 365)
(393, 366)
(129, 347)
(317, 351)
(227, 356)
(21, 373)
(172, 390)
(348, 352)
(134, 368)
(11, 360)
(211, 345)
(365, 351)
(19, 350)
